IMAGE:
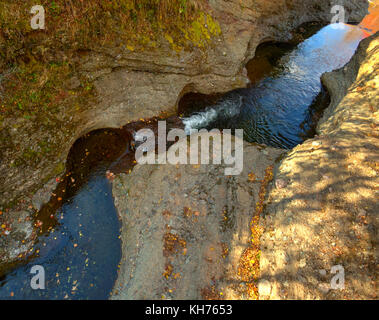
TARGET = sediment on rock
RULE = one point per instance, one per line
(185, 228)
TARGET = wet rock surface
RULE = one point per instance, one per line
(18, 231)
(326, 215)
(16, 235)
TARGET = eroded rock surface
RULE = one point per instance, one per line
(185, 228)
(132, 85)
(326, 213)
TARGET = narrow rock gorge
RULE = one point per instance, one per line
(275, 231)
(188, 231)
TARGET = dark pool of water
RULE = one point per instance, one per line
(80, 256)
(280, 109)
(79, 245)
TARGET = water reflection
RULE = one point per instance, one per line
(80, 257)
(276, 110)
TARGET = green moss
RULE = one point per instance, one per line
(85, 24)
(213, 26)
(36, 103)
(30, 154)
(38, 89)
(59, 169)
(202, 30)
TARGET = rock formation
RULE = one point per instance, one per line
(326, 215)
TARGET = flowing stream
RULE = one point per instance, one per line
(278, 110)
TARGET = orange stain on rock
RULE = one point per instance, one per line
(371, 22)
